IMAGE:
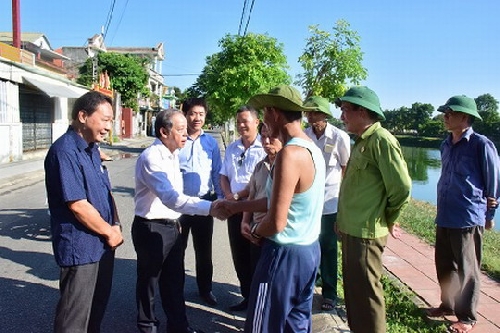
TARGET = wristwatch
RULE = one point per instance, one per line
(236, 196)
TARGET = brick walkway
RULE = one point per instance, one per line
(412, 261)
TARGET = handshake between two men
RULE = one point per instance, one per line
(222, 208)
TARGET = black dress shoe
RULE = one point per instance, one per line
(209, 298)
(241, 306)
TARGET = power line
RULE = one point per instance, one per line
(245, 2)
(248, 21)
(119, 22)
(109, 18)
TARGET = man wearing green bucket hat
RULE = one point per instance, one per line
(469, 177)
(335, 145)
(283, 283)
(375, 188)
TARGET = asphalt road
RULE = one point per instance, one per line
(29, 275)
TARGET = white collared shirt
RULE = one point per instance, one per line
(335, 145)
(238, 164)
(159, 186)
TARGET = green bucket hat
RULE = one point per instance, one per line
(283, 97)
(319, 104)
(363, 96)
(461, 103)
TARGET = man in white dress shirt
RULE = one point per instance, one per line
(239, 162)
(335, 145)
(159, 202)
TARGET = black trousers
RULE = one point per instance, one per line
(241, 251)
(159, 263)
(202, 229)
(85, 291)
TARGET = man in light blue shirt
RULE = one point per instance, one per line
(282, 288)
(469, 176)
(200, 163)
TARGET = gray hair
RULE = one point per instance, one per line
(164, 120)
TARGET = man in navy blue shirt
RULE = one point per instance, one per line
(84, 222)
(468, 184)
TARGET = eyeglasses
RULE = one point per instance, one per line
(242, 158)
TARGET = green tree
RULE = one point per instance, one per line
(486, 102)
(393, 121)
(331, 61)
(245, 66)
(487, 107)
(433, 128)
(418, 116)
(128, 75)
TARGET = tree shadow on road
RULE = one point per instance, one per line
(41, 265)
(121, 312)
(32, 224)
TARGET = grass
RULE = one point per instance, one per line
(403, 314)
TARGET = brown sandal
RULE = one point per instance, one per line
(459, 327)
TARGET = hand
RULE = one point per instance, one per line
(490, 224)
(395, 231)
(229, 196)
(115, 238)
(491, 203)
(219, 210)
(246, 232)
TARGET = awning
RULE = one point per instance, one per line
(55, 90)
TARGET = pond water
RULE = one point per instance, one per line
(424, 165)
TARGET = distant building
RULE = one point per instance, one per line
(35, 96)
(38, 88)
(141, 124)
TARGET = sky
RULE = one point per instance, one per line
(414, 51)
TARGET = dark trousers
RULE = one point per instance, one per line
(363, 291)
(159, 263)
(85, 291)
(241, 251)
(282, 288)
(458, 260)
(329, 249)
(202, 229)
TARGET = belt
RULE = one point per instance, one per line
(160, 221)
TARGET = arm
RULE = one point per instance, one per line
(153, 175)
(245, 226)
(491, 176)
(226, 187)
(215, 173)
(344, 150)
(396, 179)
(89, 217)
